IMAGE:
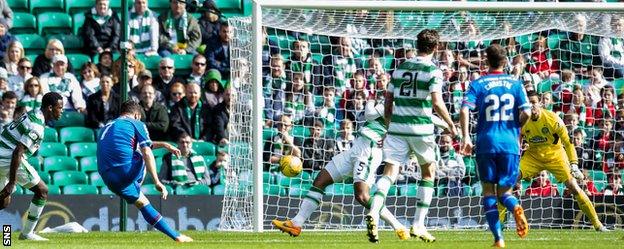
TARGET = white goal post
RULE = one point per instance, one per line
(244, 206)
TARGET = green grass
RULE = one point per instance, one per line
(343, 240)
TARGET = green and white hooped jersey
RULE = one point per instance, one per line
(412, 84)
(28, 130)
(374, 129)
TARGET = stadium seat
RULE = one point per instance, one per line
(77, 61)
(76, 134)
(269, 189)
(33, 43)
(48, 149)
(54, 190)
(151, 62)
(160, 152)
(64, 178)
(96, 180)
(82, 149)
(45, 177)
(80, 189)
(220, 189)
(72, 44)
(42, 6)
(79, 6)
(158, 5)
(182, 63)
(268, 178)
(19, 5)
(598, 175)
(408, 189)
(88, 164)
(618, 84)
(105, 191)
(204, 148)
(267, 134)
(54, 23)
(78, 20)
(150, 189)
(24, 23)
(59, 163)
(35, 162)
(300, 131)
(230, 7)
(209, 160)
(199, 189)
(70, 118)
(50, 135)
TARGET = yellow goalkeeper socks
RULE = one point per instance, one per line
(588, 209)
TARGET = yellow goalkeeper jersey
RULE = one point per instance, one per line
(548, 139)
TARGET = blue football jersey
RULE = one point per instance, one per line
(499, 99)
(119, 143)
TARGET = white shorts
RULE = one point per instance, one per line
(26, 175)
(361, 162)
(397, 149)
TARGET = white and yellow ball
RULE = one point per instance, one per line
(290, 166)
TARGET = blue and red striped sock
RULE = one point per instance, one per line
(154, 218)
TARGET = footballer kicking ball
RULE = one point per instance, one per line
(290, 166)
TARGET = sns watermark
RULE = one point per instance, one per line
(6, 235)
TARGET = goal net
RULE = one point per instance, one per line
(319, 66)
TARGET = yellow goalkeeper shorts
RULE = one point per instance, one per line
(530, 168)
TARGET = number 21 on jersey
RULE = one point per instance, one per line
(499, 108)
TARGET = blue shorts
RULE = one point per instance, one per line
(124, 181)
(500, 169)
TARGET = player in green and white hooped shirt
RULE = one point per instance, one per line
(360, 162)
(415, 89)
(18, 139)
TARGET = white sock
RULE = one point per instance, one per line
(379, 198)
(34, 211)
(389, 218)
(424, 196)
(309, 203)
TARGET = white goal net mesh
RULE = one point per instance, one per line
(319, 66)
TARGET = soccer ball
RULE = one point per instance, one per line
(290, 166)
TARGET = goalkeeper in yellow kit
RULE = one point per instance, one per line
(549, 148)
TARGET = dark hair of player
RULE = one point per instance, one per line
(532, 93)
(50, 99)
(427, 41)
(496, 56)
(130, 107)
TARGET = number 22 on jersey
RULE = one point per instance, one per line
(499, 108)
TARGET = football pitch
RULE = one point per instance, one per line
(545, 238)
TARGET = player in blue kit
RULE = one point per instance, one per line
(503, 108)
(123, 153)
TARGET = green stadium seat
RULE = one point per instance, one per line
(54, 190)
(88, 164)
(50, 135)
(160, 152)
(96, 180)
(45, 176)
(78, 20)
(82, 149)
(48, 149)
(268, 178)
(76, 134)
(151, 62)
(267, 134)
(39, 6)
(24, 23)
(54, 23)
(269, 189)
(209, 160)
(72, 45)
(79, 6)
(70, 118)
(35, 162)
(408, 189)
(80, 189)
(182, 63)
(158, 5)
(19, 5)
(199, 189)
(19, 190)
(59, 163)
(33, 43)
(219, 189)
(598, 175)
(230, 7)
(300, 131)
(77, 61)
(545, 86)
(105, 191)
(150, 189)
(64, 178)
(204, 148)
(618, 84)
(158, 163)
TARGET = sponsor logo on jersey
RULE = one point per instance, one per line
(538, 139)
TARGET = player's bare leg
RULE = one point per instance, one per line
(309, 203)
(424, 196)
(34, 211)
(388, 178)
(585, 204)
(154, 218)
(362, 195)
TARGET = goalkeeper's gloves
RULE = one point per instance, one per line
(576, 173)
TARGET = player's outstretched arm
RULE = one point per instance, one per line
(440, 108)
(464, 118)
(167, 146)
(150, 165)
(388, 104)
(16, 157)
